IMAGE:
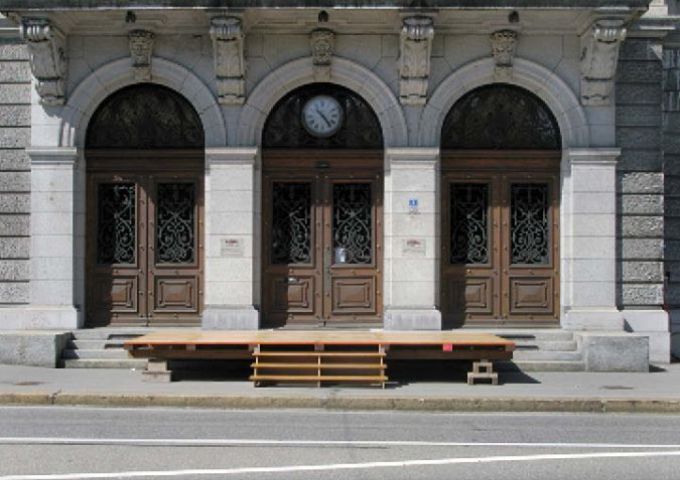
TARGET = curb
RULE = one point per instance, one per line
(431, 404)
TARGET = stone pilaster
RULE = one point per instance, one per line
(411, 247)
(589, 241)
(231, 253)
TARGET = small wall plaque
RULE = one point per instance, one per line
(413, 205)
(414, 247)
(231, 247)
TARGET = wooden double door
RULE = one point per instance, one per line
(322, 252)
(500, 240)
(144, 242)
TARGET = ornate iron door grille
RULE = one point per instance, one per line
(469, 223)
(116, 223)
(176, 223)
(291, 236)
(352, 223)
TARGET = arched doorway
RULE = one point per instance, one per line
(322, 210)
(144, 255)
(500, 210)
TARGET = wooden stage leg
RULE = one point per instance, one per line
(157, 371)
(482, 370)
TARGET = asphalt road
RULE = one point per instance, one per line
(83, 443)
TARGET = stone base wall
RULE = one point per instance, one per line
(15, 121)
(640, 200)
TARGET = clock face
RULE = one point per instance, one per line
(322, 116)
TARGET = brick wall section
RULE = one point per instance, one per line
(671, 124)
(15, 183)
(640, 175)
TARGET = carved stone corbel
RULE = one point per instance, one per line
(414, 59)
(230, 65)
(47, 49)
(141, 50)
(322, 43)
(503, 47)
(599, 58)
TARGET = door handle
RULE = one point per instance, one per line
(293, 281)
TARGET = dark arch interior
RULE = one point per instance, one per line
(145, 116)
(360, 129)
(500, 117)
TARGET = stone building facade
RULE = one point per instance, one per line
(561, 118)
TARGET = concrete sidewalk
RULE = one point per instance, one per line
(519, 392)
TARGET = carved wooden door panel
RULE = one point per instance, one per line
(292, 274)
(530, 220)
(144, 249)
(352, 250)
(321, 251)
(116, 238)
(500, 249)
(174, 242)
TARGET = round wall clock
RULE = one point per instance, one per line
(322, 116)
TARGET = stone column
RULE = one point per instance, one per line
(231, 253)
(589, 240)
(57, 243)
(411, 233)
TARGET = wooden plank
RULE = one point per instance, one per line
(313, 337)
(320, 354)
(323, 366)
(319, 378)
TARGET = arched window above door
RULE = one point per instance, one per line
(145, 117)
(359, 127)
(500, 117)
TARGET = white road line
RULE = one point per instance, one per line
(217, 442)
(341, 466)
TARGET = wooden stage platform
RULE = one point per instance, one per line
(320, 356)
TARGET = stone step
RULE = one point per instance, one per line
(537, 336)
(546, 346)
(109, 333)
(135, 363)
(95, 344)
(117, 353)
(540, 366)
(521, 355)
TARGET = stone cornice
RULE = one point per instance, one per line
(52, 155)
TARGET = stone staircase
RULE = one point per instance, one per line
(537, 350)
(102, 348)
(543, 351)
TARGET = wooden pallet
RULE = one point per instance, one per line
(302, 365)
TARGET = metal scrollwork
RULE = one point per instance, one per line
(361, 128)
(291, 223)
(116, 233)
(352, 221)
(145, 116)
(175, 220)
(500, 116)
(530, 224)
(469, 223)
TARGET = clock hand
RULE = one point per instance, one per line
(323, 116)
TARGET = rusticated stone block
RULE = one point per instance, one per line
(638, 115)
(13, 51)
(14, 247)
(642, 204)
(15, 116)
(15, 182)
(14, 160)
(14, 270)
(638, 94)
(15, 72)
(642, 271)
(602, 352)
(651, 249)
(19, 93)
(640, 182)
(16, 137)
(640, 160)
(641, 295)
(638, 137)
(640, 71)
(639, 49)
(642, 227)
(15, 225)
(14, 292)
(15, 202)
